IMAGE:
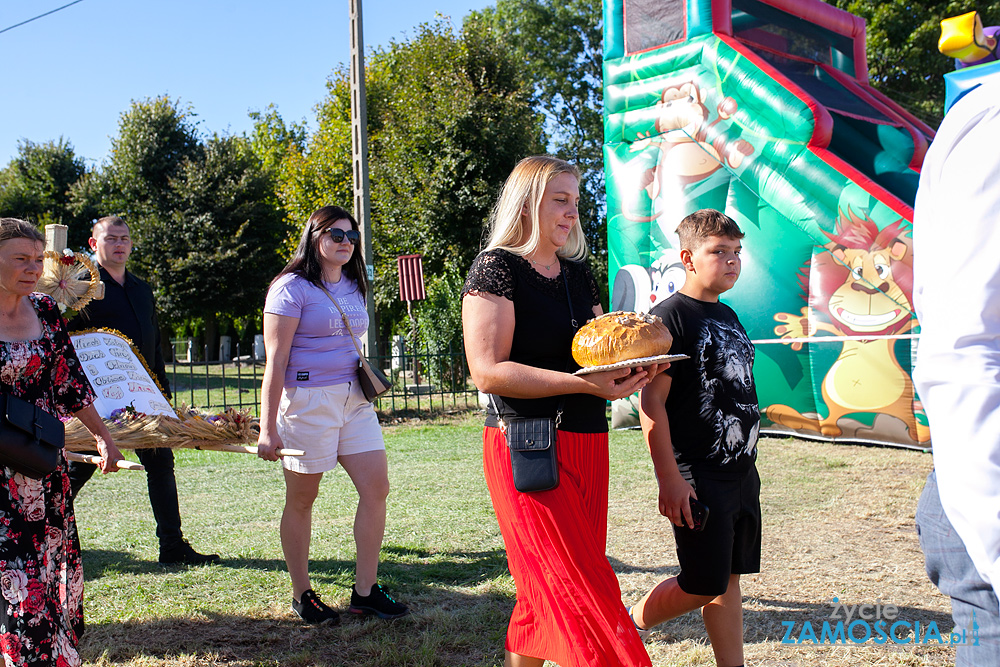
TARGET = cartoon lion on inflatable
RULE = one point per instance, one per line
(861, 285)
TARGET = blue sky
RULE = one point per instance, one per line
(72, 73)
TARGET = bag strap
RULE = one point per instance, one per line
(347, 324)
(569, 302)
(562, 399)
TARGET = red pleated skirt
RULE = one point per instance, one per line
(569, 607)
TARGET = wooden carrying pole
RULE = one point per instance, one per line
(249, 449)
(96, 460)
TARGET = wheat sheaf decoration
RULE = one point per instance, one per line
(64, 278)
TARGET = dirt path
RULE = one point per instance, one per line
(838, 522)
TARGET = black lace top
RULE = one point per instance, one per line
(543, 330)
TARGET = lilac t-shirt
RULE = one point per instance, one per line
(321, 353)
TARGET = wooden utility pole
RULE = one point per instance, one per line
(359, 154)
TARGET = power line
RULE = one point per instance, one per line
(17, 25)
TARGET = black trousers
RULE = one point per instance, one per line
(162, 486)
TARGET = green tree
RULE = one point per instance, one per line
(273, 140)
(321, 174)
(87, 197)
(36, 185)
(204, 215)
(155, 138)
(448, 117)
(279, 147)
(457, 119)
(903, 59)
(561, 44)
(439, 328)
(218, 250)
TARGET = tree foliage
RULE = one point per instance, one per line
(903, 59)
(560, 43)
(36, 185)
(456, 120)
(205, 220)
(439, 327)
(321, 173)
(274, 141)
(155, 138)
(448, 118)
(217, 253)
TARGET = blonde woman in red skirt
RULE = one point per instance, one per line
(525, 296)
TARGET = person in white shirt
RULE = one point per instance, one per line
(956, 235)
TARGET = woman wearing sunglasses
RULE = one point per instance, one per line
(311, 401)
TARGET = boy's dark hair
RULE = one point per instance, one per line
(705, 223)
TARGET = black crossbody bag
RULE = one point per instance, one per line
(30, 438)
(532, 440)
(532, 445)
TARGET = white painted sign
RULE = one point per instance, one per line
(118, 374)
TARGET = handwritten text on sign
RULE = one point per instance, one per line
(118, 375)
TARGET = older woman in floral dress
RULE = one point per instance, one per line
(41, 576)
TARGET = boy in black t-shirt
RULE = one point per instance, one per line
(700, 420)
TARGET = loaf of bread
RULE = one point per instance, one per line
(620, 336)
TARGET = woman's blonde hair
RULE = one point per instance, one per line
(525, 186)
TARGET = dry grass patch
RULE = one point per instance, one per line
(838, 522)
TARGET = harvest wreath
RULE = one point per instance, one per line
(65, 279)
(230, 430)
(61, 279)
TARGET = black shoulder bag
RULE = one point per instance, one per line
(532, 440)
(30, 438)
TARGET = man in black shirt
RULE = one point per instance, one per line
(128, 306)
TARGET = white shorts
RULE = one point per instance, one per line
(326, 422)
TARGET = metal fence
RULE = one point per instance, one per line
(423, 381)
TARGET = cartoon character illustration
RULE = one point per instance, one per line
(965, 39)
(691, 149)
(637, 288)
(861, 285)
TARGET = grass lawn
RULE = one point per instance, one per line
(838, 522)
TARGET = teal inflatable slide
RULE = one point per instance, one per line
(762, 109)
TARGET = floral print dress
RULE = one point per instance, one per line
(41, 575)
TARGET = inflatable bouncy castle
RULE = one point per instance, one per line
(762, 109)
(974, 49)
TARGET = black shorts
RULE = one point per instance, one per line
(730, 543)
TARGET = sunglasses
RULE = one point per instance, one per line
(338, 235)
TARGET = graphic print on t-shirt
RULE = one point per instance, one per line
(320, 345)
(726, 357)
(357, 316)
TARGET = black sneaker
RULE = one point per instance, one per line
(312, 610)
(181, 553)
(376, 602)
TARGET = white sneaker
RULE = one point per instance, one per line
(643, 633)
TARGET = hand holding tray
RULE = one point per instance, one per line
(633, 363)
